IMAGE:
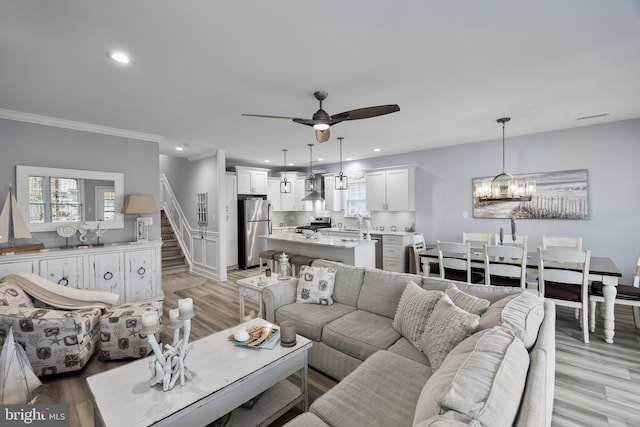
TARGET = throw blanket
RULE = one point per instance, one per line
(61, 296)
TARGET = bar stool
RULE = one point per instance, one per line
(276, 260)
(267, 256)
(298, 261)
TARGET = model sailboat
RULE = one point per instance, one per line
(18, 383)
(13, 226)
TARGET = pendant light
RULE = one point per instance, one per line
(504, 187)
(310, 182)
(341, 179)
(285, 184)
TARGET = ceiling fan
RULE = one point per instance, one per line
(321, 120)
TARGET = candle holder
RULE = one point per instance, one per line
(173, 364)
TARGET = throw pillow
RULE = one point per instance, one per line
(315, 285)
(415, 307)
(522, 313)
(447, 326)
(466, 301)
(11, 294)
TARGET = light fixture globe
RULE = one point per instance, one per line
(504, 187)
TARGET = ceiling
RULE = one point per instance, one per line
(453, 67)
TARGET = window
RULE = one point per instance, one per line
(53, 199)
(357, 199)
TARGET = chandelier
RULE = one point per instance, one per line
(505, 187)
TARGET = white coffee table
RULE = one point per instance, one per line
(252, 287)
(225, 376)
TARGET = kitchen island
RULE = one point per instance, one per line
(360, 253)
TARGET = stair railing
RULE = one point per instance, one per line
(177, 218)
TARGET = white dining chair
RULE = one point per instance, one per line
(505, 266)
(454, 261)
(628, 295)
(477, 240)
(549, 242)
(419, 247)
(563, 276)
(507, 240)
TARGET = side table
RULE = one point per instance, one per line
(252, 287)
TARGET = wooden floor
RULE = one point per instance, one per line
(597, 384)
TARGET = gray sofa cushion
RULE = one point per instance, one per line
(482, 378)
(348, 281)
(383, 391)
(404, 347)
(522, 313)
(467, 302)
(381, 291)
(311, 318)
(360, 334)
(491, 293)
(306, 420)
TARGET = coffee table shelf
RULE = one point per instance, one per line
(273, 403)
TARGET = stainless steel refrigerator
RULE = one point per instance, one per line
(254, 216)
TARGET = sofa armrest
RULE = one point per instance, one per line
(275, 296)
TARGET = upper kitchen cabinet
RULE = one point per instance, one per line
(283, 201)
(332, 197)
(391, 189)
(252, 180)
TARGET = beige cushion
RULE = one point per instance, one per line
(522, 313)
(482, 378)
(381, 291)
(315, 285)
(466, 301)
(449, 419)
(447, 326)
(12, 294)
(414, 308)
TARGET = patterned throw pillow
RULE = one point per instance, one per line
(415, 307)
(315, 285)
(447, 326)
(12, 295)
(466, 301)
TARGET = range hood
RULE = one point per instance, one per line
(319, 193)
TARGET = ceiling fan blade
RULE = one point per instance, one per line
(322, 135)
(364, 113)
(269, 117)
(308, 122)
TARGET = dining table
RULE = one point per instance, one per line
(601, 269)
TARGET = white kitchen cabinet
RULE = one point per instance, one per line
(131, 271)
(273, 194)
(300, 205)
(252, 180)
(332, 198)
(391, 189)
(395, 252)
(231, 195)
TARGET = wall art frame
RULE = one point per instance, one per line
(559, 195)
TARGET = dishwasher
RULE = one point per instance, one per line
(378, 239)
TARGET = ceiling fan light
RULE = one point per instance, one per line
(321, 126)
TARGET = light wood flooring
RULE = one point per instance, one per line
(597, 384)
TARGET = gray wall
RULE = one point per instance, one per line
(38, 145)
(187, 179)
(610, 152)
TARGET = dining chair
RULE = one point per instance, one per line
(549, 242)
(505, 266)
(419, 246)
(563, 276)
(507, 240)
(454, 260)
(627, 295)
(477, 240)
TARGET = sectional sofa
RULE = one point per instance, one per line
(413, 350)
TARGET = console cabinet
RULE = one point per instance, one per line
(132, 271)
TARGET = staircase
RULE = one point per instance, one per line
(173, 260)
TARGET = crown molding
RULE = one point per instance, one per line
(81, 126)
(204, 155)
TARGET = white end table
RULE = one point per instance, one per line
(252, 287)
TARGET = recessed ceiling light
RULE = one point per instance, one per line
(290, 164)
(120, 57)
(320, 159)
(376, 149)
(179, 148)
(348, 158)
(267, 161)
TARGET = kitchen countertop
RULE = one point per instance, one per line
(336, 242)
(355, 230)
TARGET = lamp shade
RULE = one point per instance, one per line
(139, 204)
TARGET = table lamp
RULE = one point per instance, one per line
(140, 204)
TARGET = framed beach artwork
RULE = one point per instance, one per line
(559, 195)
